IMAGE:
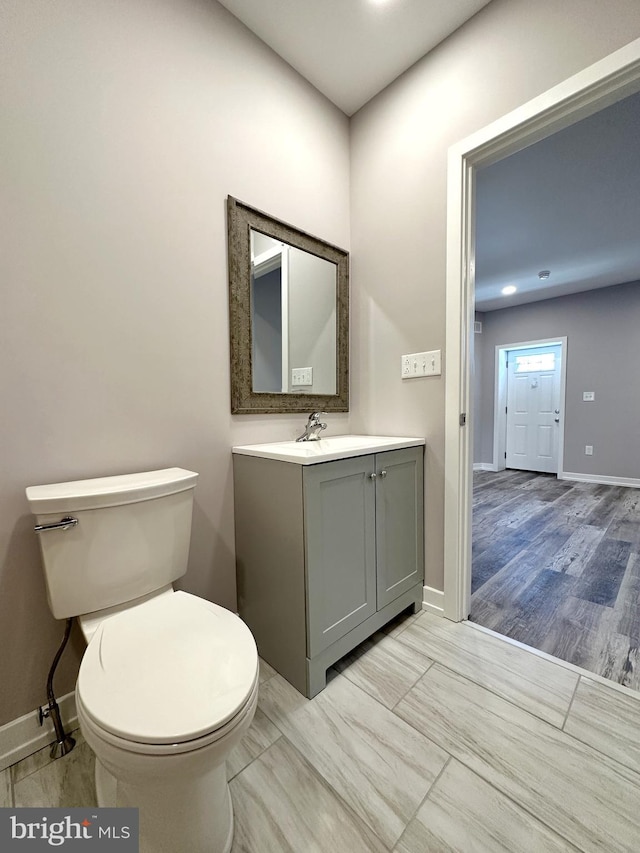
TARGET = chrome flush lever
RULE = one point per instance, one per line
(64, 524)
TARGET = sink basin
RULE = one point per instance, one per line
(327, 449)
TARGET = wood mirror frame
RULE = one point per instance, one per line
(241, 219)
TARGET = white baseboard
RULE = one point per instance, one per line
(24, 736)
(484, 466)
(597, 478)
(433, 600)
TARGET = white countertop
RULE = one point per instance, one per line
(327, 449)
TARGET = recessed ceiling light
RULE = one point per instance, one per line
(543, 275)
(509, 289)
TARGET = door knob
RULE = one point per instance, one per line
(557, 411)
(383, 473)
(373, 476)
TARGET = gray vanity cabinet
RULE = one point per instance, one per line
(326, 554)
(340, 548)
(399, 522)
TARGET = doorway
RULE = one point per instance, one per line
(599, 86)
(529, 396)
(533, 406)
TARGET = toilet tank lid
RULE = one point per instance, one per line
(109, 491)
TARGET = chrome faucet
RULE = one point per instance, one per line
(313, 428)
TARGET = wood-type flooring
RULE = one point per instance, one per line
(556, 565)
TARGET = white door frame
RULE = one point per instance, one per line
(500, 398)
(602, 84)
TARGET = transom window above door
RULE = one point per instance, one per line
(540, 361)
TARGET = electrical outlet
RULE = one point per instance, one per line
(417, 364)
(588, 396)
(588, 450)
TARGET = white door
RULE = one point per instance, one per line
(533, 409)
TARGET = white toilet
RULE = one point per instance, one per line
(169, 681)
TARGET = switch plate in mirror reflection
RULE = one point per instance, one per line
(288, 307)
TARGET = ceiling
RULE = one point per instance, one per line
(351, 49)
(569, 204)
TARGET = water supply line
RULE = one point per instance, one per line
(64, 743)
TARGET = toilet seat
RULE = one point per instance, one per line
(167, 749)
(172, 675)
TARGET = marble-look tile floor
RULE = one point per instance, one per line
(432, 736)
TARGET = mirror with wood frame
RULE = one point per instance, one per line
(288, 317)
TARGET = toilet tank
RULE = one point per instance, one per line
(132, 537)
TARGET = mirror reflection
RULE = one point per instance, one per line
(293, 319)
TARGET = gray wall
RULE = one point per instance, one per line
(511, 51)
(312, 319)
(602, 327)
(125, 127)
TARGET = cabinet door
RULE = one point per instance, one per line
(339, 519)
(399, 522)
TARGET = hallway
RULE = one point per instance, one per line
(556, 565)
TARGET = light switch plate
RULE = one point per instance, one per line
(418, 364)
(433, 362)
(302, 376)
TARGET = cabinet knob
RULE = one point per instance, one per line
(373, 476)
(383, 473)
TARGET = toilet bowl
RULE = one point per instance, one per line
(164, 693)
(168, 683)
